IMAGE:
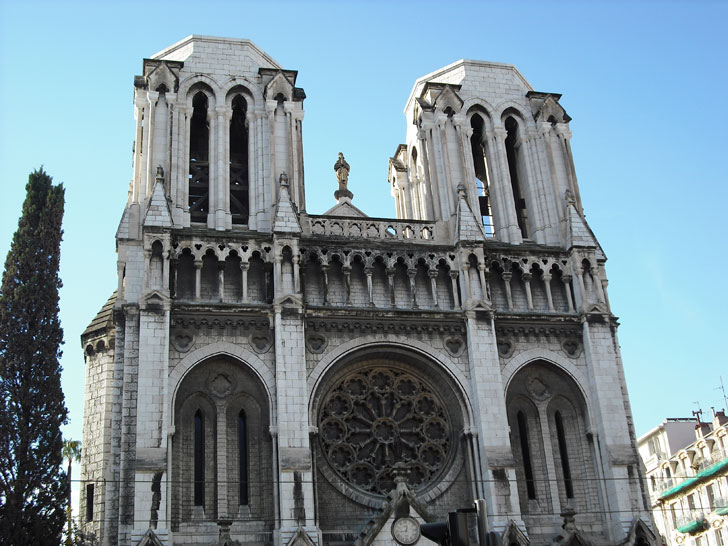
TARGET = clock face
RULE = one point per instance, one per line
(406, 530)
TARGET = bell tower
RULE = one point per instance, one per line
(222, 141)
(482, 125)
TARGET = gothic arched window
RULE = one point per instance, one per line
(199, 177)
(243, 456)
(482, 184)
(239, 162)
(564, 455)
(526, 454)
(554, 454)
(199, 459)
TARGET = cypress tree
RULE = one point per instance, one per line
(33, 488)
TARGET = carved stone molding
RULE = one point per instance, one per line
(538, 331)
(362, 326)
(214, 322)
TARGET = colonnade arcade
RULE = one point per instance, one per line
(255, 272)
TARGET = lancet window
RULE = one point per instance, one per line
(222, 440)
(239, 162)
(544, 403)
(526, 454)
(559, 422)
(90, 502)
(482, 184)
(199, 459)
(199, 177)
(243, 457)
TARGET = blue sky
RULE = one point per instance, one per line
(645, 84)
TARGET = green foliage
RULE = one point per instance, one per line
(33, 486)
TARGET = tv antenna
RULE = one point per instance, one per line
(722, 389)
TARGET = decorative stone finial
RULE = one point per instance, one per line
(401, 473)
(461, 191)
(283, 180)
(160, 174)
(341, 168)
(569, 196)
(569, 515)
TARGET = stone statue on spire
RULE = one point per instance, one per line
(341, 168)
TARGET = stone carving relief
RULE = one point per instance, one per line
(261, 341)
(455, 345)
(538, 388)
(182, 341)
(316, 343)
(506, 347)
(572, 347)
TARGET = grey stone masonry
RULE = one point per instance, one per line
(267, 377)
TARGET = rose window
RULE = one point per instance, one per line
(375, 418)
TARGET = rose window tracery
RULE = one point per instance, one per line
(375, 418)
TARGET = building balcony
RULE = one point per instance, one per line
(692, 523)
(706, 470)
(720, 506)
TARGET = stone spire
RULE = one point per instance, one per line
(468, 227)
(286, 219)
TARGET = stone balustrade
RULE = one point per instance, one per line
(371, 228)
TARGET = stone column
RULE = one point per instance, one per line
(455, 295)
(214, 182)
(507, 276)
(198, 279)
(184, 200)
(152, 97)
(221, 279)
(412, 273)
(424, 136)
(139, 115)
(566, 279)
(244, 266)
(390, 278)
(432, 273)
(252, 127)
(547, 286)
(533, 188)
(526, 276)
(295, 468)
(222, 477)
(222, 169)
(446, 188)
(268, 189)
(552, 482)
(490, 421)
(564, 136)
(509, 231)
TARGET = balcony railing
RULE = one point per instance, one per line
(373, 228)
(705, 469)
(692, 522)
(720, 506)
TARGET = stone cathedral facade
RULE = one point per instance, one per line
(267, 376)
